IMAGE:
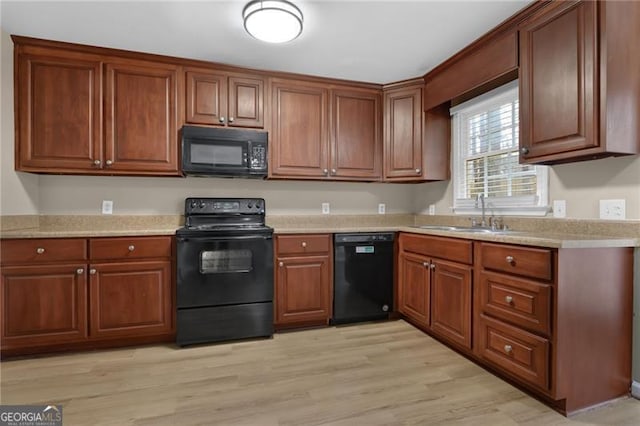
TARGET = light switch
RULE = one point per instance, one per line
(612, 209)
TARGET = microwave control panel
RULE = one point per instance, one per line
(258, 157)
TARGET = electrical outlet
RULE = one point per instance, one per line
(559, 208)
(107, 207)
(382, 208)
(326, 208)
(612, 209)
(432, 209)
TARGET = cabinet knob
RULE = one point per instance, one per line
(418, 171)
(281, 264)
(221, 119)
(131, 247)
(432, 266)
(92, 271)
(325, 171)
(79, 271)
(231, 119)
(304, 244)
(508, 299)
(425, 264)
(108, 162)
(39, 250)
(524, 150)
(97, 162)
(508, 349)
(510, 259)
(333, 171)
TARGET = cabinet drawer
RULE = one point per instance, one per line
(43, 250)
(129, 248)
(453, 249)
(525, 261)
(524, 303)
(300, 244)
(515, 351)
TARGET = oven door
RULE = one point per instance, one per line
(215, 271)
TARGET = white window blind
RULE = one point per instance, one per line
(485, 139)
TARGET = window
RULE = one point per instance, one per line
(485, 158)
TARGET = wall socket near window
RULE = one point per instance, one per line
(107, 207)
(326, 208)
(612, 209)
(559, 208)
(432, 209)
(382, 208)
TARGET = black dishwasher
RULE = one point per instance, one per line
(363, 277)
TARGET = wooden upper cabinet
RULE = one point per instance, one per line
(403, 133)
(579, 85)
(416, 143)
(59, 111)
(298, 137)
(356, 134)
(81, 110)
(141, 118)
(220, 99)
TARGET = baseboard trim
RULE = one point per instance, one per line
(635, 389)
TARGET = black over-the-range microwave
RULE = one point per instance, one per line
(208, 151)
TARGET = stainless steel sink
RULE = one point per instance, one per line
(462, 229)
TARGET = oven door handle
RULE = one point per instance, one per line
(230, 238)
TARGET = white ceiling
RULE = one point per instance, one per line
(374, 41)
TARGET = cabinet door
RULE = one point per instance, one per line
(59, 113)
(451, 302)
(414, 293)
(130, 299)
(303, 289)
(299, 143)
(403, 133)
(356, 143)
(206, 97)
(141, 119)
(559, 81)
(246, 102)
(43, 305)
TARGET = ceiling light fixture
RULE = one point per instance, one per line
(273, 21)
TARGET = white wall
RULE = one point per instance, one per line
(19, 192)
(140, 195)
(582, 185)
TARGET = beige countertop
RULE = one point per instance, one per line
(88, 226)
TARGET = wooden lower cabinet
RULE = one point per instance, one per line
(451, 294)
(435, 293)
(303, 280)
(414, 292)
(70, 294)
(43, 305)
(130, 299)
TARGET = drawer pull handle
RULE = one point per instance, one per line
(132, 247)
(92, 271)
(79, 271)
(508, 299)
(510, 260)
(39, 250)
(304, 244)
(281, 264)
(508, 349)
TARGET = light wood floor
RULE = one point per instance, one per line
(377, 373)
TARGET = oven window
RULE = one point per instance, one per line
(224, 261)
(216, 154)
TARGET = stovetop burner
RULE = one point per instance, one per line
(204, 216)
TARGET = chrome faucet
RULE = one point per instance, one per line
(480, 200)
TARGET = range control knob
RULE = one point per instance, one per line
(194, 204)
(249, 205)
(202, 204)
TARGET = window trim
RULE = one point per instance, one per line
(508, 206)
